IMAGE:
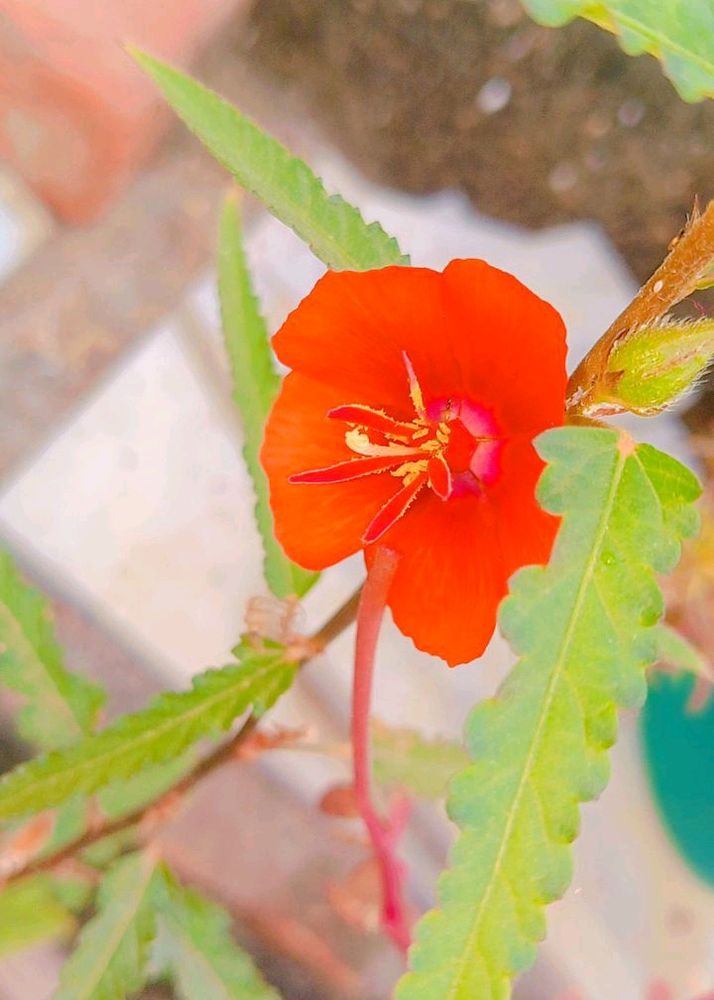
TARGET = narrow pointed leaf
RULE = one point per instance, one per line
(255, 386)
(674, 650)
(110, 960)
(403, 758)
(159, 733)
(59, 706)
(335, 230)
(198, 953)
(680, 33)
(583, 629)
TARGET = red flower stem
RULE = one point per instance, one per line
(381, 833)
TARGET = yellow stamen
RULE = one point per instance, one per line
(410, 470)
(359, 442)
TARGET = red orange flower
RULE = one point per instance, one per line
(407, 422)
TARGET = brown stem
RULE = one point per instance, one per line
(341, 620)
(677, 277)
(166, 802)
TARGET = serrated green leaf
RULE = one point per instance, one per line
(198, 953)
(148, 785)
(60, 706)
(158, 733)
(110, 959)
(404, 758)
(334, 229)
(255, 386)
(38, 908)
(582, 627)
(679, 32)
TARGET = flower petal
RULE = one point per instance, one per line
(456, 557)
(317, 525)
(450, 577)
(525, 531)
(352, 329)
(394, 509)
(510, 346)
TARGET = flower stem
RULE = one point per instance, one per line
(382, 833)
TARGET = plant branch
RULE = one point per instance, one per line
(689, 259)
(164, 806)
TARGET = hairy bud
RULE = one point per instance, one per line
(652, 366)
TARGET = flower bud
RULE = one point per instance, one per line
(651, 367)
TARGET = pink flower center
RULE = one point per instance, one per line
(452, 446)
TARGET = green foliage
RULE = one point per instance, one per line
(403, 758)
(255, 386)
(335, 231)
(583, 629)
(144, 787)
(110, 960)
(37, 908)
(676, 651)
(653, 366)
(59, 706)
(196, 952)
(158, 733)
(679, 32)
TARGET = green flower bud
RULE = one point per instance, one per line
(651, 367)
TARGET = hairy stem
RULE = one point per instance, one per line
(382, 833)
(690, 257)
(165, 804)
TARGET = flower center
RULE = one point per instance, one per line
(451, 446)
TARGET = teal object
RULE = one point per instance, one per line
(679, 750)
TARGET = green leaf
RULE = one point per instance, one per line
(255, 386)
(159, 733)
(38, 908)
(198, 953)
(335, 230)
(679, 32)
(676, 651)
(146, 786)
(583, 629)
(110, 959)
(60, 706)
(404, 758)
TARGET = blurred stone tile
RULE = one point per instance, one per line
(84, 296)
(144, 506)
(61, 69)
(31, 974)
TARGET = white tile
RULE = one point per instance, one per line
(144, 505)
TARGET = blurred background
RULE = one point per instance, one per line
(467, 130)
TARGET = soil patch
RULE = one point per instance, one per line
(536, 125)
